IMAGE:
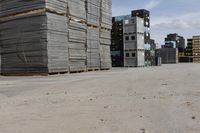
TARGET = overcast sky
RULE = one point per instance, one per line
(167, 16)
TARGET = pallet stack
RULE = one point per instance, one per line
(49, 36)
(0, 61)
(196, 49)
(117, 44)
(93, 25)
(134, 42)
(105, 33)
(77, 35)
(169, 55)
(33, 36)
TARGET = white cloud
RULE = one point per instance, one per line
(185, 25)
(152, 4)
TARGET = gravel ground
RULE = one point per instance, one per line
(135, 100)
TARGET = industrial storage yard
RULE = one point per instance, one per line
(45, 45)
(135, 100)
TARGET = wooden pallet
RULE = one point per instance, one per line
(77, 71)
(93, 69)
(103, 28)
(29, 12)
(93, 26)
(105, 69)
(134, 66)
(57, 73)
(77, 20)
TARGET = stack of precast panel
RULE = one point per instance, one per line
(54, 36)
(33, 36)
(134, 42)
(169, 55)
(93, 12)
(106, 14)
(10, 8)
(93, 25)
(77, 35)
(117, 44)
(93, 51)
(105, 42)
(105, 33)
(0, 61)
(196, 49)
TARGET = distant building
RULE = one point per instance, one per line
(175, 41)
(187, 55)
(189, 48)
(173, 49)
(196, 49)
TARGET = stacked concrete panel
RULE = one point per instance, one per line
(53, 36)
(77, 9)
(77, 34)
(93, 12)
(93, 51)
(105, 33)
(105, 42)
(30, 41)
(169, 55)
(196, 49)
(93, 27)
(133, 42)
(117, 48)
(8, 7)
(0, 63)
(106, 14)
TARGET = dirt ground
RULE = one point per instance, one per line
(137, 100)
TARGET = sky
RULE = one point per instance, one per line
(167, 16)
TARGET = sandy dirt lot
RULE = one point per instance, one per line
(137, 100)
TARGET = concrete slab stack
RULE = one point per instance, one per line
(77, 35)
(51, 36)
(169, 55)
(106, 14)
(93, 27)
(105, 42)
(93, 13)
(105, 33)
(134, 42)
(33, 41)
(196, 49)
(93, 51)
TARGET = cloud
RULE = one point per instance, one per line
(152, 4)
(189, 21)
(186, 25)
